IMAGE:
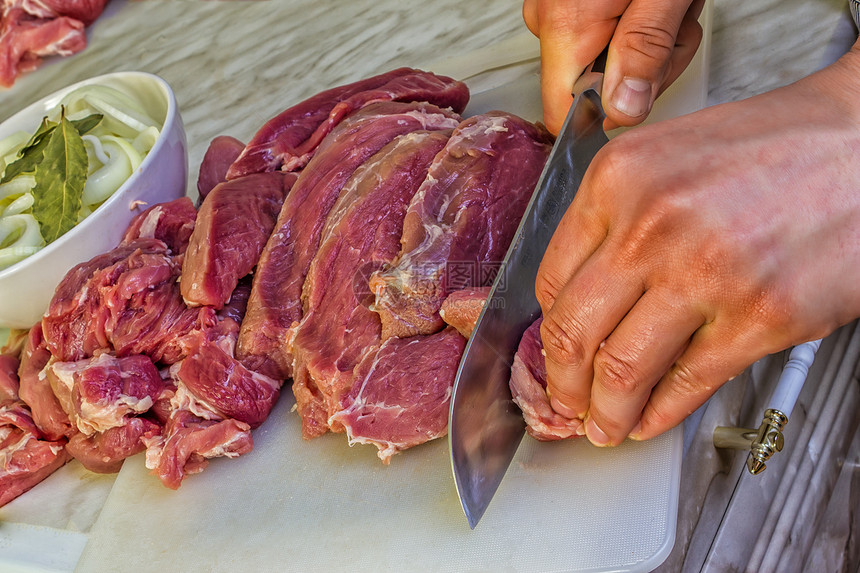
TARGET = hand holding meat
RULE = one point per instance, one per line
(699, 245)
(650, 43)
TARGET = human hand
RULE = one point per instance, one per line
(650, 43)
(698, 245)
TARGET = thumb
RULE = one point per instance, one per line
(644, 53)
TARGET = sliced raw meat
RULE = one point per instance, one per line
(101, 393)
(528, 386)
(104, 452)
(187, 442)
(84, 10)
(290, 139)
(362, 234)
(232, 227)
(33, 29)
(461, 221)
(219, 383)
(463, 307)
(275, 302)
(223, 150)
(129, 302)
(171, 222)
(402, 392)
(35, 389)
(8, 377)
(25, 458)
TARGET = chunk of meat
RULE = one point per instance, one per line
(188, 442)
(100, 393)
(461, 222)
(171, 222)
(8, 378)
(275, 303)
(362, 234)
(402, 392)
(528, 387)
(219, 383)
(127, 300)
(232, 227)
(25, 457)
(35, 389)
(33, 29)
(104, 452)
(86, 11)
(463, 307)
(223, 150)
(290, 139)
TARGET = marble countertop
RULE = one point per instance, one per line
(233, 64)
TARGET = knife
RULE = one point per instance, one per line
(485, 426)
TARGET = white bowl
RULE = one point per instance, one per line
(26, 287)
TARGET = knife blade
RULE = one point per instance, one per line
(485, 426)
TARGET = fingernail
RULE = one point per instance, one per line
(634, 433)
(561, 408)
(632, 97)
(595, 435)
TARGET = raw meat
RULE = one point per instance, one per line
(171, 222)
(290, 139)
(26, 458)
(126, 300)
(223, 150)
(275, 303)
(461, 221)
(104, 452)
(187, 442)
(100, 393)
(402, 392)
(528, 387)
(463, 307)
(36, 391)
(33, 29)
(218, 383)
(232, 227)
(361, 235)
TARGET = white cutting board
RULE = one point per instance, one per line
(292, 505)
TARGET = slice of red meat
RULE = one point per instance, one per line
(26, 458)
(171, 222)
(86, 11)
(100, 393)
(26, 39)
(232, 227)
(275, 303)
(188, 442)
(128, 301)
(461, 222)
(218, 382)
(463, 307)
(35, 389)
(8, 377)
(402, 392)
(104, 452)
(223, 150)
(528, 387)
(362, 234)
(290, 139)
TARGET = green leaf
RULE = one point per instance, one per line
(87, 124)
(31, 154)
(60, 179)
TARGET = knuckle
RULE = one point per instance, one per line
(562, 343)
(617, 373)
(547, 286)
(651, 40)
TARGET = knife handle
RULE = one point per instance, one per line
(592, 76)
